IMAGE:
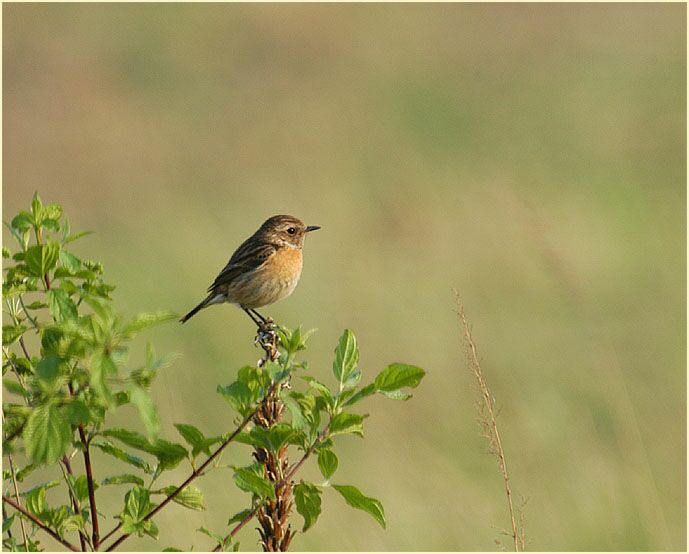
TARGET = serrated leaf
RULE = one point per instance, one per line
(398, 376)
(130, 438)
(169, 454)
(189, 497)
(308, 499)
(346, 357)
(239, 516)
(147, 410)
(80, 487)
(347, 423)
(11, 333)
(120, 454)
(52, 211)
(22, 221)
(248, 481)
(122, 479)
(327, 462)
(36, 502)
(36, 206)
(48, 369)
(41, 258)
(298, 421)
(47, 435)
(195, 438)
(356, 499)
(77, 412)
(61, 306)
(69, 261)
(278, 435)
(238, 395)
(368, 390)
(146, 320)
(14, 387)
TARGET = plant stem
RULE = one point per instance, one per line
(198, 471)
(40, 524)
(489, 422)
(286, 479)
(16, 495)
(75, 503)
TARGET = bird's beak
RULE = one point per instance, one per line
(312, 228)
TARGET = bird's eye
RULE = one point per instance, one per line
(291, 230)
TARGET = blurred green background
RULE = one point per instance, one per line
(531, 155)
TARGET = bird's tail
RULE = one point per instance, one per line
(210, 299)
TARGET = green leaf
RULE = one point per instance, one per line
(147, 410)
(398, 376)
(11, 333)
(189, 497)
(47, 435)
(308, 499)
(7, 523)
(102, 367)
(81, 489)
(169, 454)
(120, 454)
(279, 434)
(146, 320)
(22, 222)
(248, 481)
(195, 438)
(397, 395)
(219, 539)
(298, 421)
(130, 438)
(41, 258)
(62, 307)
(327, 463)
(48, 369)
(22, 473)
(70, 262)
(238, 395)
(368, 390)
(137, 505)
(52, 211)
(14, 387)
(6, 253)
(347, 423)
(239, 516)
(122, 479)
(356, 499)
(77, 412)
(346, 358)
(36, 207)
(36, 502)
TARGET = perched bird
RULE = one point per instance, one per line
(264, 269)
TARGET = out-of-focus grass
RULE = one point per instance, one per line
(533, 156)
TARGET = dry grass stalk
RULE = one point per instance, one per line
(488, 420)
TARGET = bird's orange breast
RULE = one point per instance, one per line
(285, 264)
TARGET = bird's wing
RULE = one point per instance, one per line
(248, 257)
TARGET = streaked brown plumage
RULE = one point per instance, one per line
(264, 269)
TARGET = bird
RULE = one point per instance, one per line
(264, 269)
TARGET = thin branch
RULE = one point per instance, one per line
(40, 524)
(285, 480)
(198, 471)
(16, 495)
(75, 503)
(488, 419)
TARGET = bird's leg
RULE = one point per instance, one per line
(266, 320)
(259, 323)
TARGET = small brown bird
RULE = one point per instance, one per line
(264, 269)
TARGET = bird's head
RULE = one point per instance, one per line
(286, 230)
